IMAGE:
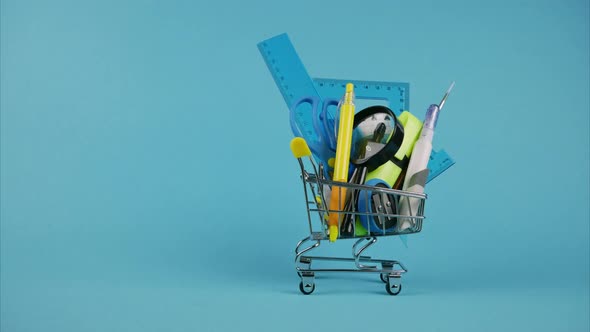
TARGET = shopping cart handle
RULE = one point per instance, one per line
(299, 148)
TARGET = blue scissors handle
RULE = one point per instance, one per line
(300, 126)
(316, 128)
(327, 120)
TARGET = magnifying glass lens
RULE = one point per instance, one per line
(370, 136)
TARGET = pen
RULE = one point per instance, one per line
(417, 172)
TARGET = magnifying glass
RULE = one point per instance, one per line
(377, 136)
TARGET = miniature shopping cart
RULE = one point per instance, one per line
(376, 206)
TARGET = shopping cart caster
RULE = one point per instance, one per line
(304, 264)
(307, 284)
(385, 266)
(307, 288)
(393, 286)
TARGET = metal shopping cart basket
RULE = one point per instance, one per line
(372, 213)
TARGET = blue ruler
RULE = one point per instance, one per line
(287, 69)
(294, 83)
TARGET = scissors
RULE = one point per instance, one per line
(316, 127)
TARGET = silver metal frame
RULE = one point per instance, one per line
(390, 271)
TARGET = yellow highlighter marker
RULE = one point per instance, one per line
(343, 145)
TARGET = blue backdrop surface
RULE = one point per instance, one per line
(147, 185)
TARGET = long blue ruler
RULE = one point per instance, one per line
(294, 83)
(287, 69)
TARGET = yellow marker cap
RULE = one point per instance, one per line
(299, 147)
(348, 94)
(333, 233)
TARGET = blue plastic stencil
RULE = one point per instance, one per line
(294, 83)
(397, 95)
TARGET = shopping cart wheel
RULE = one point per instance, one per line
(306, 289)
(393, 288)
(383, 277)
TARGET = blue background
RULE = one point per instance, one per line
(147, 183)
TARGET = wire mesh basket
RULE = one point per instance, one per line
(365, 213)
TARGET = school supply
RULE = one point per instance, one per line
(417, 172)
(295, 83)
(337, 200)
(377, 137)
(386, 175)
